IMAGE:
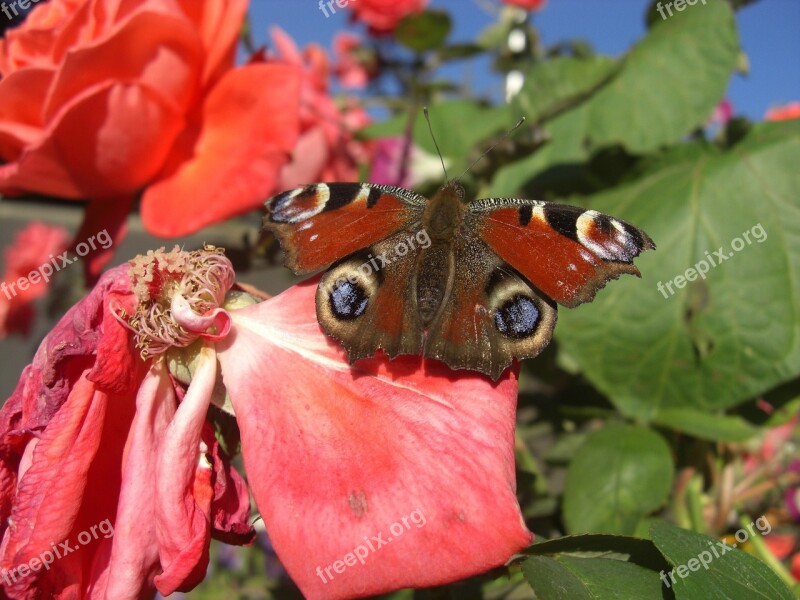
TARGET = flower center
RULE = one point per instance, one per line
(180, 294)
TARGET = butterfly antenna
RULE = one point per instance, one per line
(433, 137)
(507, 135)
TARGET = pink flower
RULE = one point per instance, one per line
(784, 113)
(391, 165)
(349, 68)
(28, 268)
(526, 4)
(327, 149)
(722, 113)
(382, 16)
(371, 478)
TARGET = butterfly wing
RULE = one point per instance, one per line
(320, 223)
(566, 252)
(493, 315)
(367, 301)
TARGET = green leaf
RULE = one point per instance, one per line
(424, 31)
(629, 467)
(703, 568)
(570, 578)
(638, 551)
(459, 52)
(666, 86)
(706, 426)
(669, 82)
(717, 341)
(554, 85)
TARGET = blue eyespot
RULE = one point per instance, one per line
(517, 318)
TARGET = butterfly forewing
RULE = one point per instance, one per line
(566, 252)
(321, 223)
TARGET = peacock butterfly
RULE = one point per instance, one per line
(474, 284)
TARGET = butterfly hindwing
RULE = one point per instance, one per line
(321, 223)
(492, 316)
(567, 252)
(366, 301)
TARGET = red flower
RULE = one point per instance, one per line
(784, 113)
(382, 16)
(29, 266)
(327, 149)
(526, 4)
(201, 139)
(386, 475)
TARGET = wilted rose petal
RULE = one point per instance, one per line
(97, 442)
(339, 458)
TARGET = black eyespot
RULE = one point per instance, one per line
(517, 318)
(348, 300)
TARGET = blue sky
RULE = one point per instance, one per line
(769, 29)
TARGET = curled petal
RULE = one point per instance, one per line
(184, 489)
(134, 557)
(218, 319)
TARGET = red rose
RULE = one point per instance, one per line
(382, 16)
(784, 113)
(102, 100)
(526, 4)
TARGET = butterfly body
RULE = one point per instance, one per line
(474, 284)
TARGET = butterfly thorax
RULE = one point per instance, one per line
(442, 219)
(445, 212)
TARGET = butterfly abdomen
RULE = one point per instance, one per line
(433, 279)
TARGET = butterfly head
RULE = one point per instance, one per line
(453, 187)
